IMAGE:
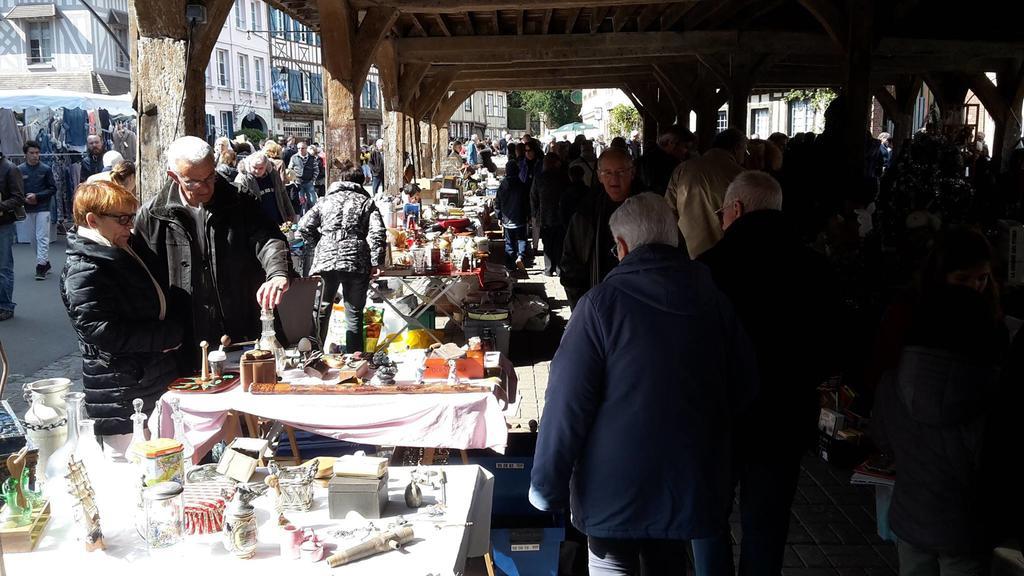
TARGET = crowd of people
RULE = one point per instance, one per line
(704, 311)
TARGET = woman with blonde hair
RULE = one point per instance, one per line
(119, 309)
(123, 175)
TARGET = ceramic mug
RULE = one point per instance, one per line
(291, 542)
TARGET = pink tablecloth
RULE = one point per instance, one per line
(457, 421)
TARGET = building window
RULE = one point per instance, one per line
(277, 23)
(301, 130)
(488, 107)
(211, 127)
(370, 100)
(227, 124)
(723, 121)
(123, 61)
(243, 72)
(306, 92)
(208, 83)
(501, 105)
(39, 37)
(257, 64)
(467, 106)
(760, 123)
(801, 117)
(240, 14)
(223, 76)
(372, 132)
(255, 15)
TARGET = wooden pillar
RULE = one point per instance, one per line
(393, 123)
(1010, 83)
(159, 53)
(739, 95)
(737, 72)
(857, 90)
(649, 133)
(347, 50)
(441, 145)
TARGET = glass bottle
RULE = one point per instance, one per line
(138, 432)
(57, 464)
(268, 339)
(188, 450)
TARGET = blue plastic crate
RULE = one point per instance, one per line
(511, 475)
(527, 551)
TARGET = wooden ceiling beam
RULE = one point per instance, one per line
(551, 73)
(520, 21)
(453, 6)
(508, 49)
(622, 16)
(597, 16)
(449, 104)
(469, 24)
(546, 23)
(830, 17)
(570, 21)
(418, 26)
(442, 24)
(559, 84)
(648, 16)
(674, 13)
(409, 81)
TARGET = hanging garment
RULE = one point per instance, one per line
(124, 141)
(76, 123)
(93, 125)
(11, 139)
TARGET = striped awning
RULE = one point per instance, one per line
(31, 11)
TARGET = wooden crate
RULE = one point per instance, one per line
(24, 538)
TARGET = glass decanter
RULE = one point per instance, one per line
(55, 490)
(268, 339)
(188, 450)
(138, 432)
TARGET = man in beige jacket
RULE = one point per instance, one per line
(697, 188)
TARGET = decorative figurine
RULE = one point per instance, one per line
(413, 495)
(453, 374)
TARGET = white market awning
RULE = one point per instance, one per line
(54, 98)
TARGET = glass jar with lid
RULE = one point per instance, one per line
(165, 515)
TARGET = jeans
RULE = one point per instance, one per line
(38, 224)
(7, 267)
(353, 293)
(917, 562)
(307, 195)
(637, 557)
(378, 183)
(767, 486)
(515, 245)
(553, 237)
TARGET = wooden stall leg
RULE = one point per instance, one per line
(428, 457)
(295, 445)
(489, 563)
(464, 456)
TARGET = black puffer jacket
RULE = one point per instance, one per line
(347, 229)
(115, 309)
(545, 197)
(217, 278)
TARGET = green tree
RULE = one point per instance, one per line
(555, 106)
(624, 119)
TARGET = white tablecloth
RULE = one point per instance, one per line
(456, 421)
(433, 551)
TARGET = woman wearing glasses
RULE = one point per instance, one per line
(118, 308)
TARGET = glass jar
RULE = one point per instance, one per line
(165, 515)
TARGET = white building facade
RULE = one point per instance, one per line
(295, 63)
(596, 104)
(484, 113)
(63, 45)
(238, 76)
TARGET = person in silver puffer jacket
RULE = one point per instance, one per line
(350, 241)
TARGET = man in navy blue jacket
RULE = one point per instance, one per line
(636, 436)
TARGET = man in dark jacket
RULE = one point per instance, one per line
(783, 298)
(586, 255)
(39, 189)
(92, 160)
(12, 199)
(545, 205)
(675, 146)
(512, 206)
(289, 151)
(377, 166)
(307, 169)
(637, 426)
(219, 250)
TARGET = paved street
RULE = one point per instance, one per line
(39, 337)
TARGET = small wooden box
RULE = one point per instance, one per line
(241, 458)
(24, 538)
(257, 366)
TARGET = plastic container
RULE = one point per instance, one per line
(527, 548)
(335, 341)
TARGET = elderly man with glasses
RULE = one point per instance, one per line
(220, 253)
(586, 256)
(649, 377)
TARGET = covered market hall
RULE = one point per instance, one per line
(703, 344)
